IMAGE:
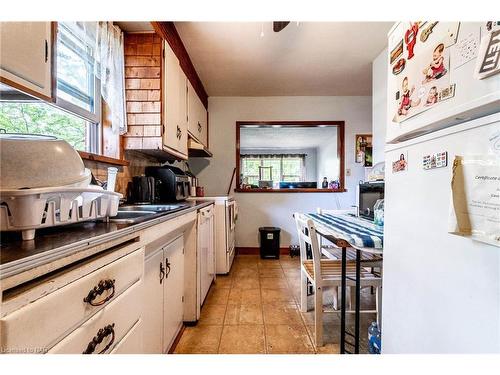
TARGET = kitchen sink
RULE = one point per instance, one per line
(133, 214)
(153, 207)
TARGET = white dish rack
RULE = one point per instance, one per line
(31, 209)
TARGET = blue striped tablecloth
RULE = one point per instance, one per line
(358, 232)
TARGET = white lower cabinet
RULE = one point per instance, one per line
(163, 296)
(132, 342)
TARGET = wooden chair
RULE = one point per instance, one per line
(324, 272)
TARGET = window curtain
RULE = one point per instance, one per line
(111, 56)
(106, 43)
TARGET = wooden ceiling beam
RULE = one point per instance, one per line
(168, 32)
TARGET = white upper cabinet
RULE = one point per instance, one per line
(26, 57)
(197, 124)
(174, 104)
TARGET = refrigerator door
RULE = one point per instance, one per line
(411, 115)
(441, 292)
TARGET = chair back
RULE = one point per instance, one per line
(306, 232)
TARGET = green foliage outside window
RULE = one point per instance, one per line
(40, 118)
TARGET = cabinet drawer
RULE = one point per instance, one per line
(132, 342)
(65, 309)
(121, 314)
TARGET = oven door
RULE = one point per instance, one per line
(231, 216)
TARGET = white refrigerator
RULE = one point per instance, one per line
(441, 291)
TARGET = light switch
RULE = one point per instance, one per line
(348, 172)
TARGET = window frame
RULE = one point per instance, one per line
(340, 152)
(94, 118)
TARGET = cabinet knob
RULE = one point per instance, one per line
(109, 330)
(162, 272)
(99, 289)
(167, 263)
(199, 127)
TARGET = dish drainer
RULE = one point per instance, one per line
(31, 209)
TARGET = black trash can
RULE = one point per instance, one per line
(269, 242)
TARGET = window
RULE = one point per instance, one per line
(273, 167)
(75, 117)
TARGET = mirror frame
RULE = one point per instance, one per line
(311, 124)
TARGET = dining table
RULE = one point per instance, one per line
(349, 231)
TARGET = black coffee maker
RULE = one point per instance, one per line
(143, 190)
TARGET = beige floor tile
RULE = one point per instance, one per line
(331, 333)
(243, 314)
(245, 283)
(271, 272)
(212, 314)
(244, 296)
(217, 296)
(281, 313)
(201, 339)
(291, 272)
(288, 339)
(276, 295)
(246, 273)
(242, 339)
(273, 283)
(269, 264)
(247, 259)
(223, 282)
(328, 349)
(290, 263)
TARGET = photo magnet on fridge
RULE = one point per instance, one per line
(401, 164)
(437, 160)
(397, 51)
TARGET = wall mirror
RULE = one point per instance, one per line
(292, 156)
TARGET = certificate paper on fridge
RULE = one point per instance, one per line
(475, 201)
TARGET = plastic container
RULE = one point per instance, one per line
(269, 242)
(378, 213)
(111, 183)
(374, 339)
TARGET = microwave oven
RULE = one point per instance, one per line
(368, 194)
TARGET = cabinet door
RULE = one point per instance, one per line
(152, 314)
(26, 56)
(183, 113)
(203, 125)
(173, 291)
(171, 99)
(192, 110)
(206, 249)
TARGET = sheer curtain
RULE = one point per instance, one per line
(111, 72)
(105, 42)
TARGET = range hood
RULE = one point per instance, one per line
(196, 149)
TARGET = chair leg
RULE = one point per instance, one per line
(303, 292)
(352, 298)
(378, 303)
(335, 298)
(318, 316)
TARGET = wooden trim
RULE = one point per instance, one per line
(312, 124)
(168, 32)
(176, 340)
(298, 190)
(103, 159)
(55, 30)
(242, 250)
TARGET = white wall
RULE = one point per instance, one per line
(328, 160)
(261, 209)
(379, 105)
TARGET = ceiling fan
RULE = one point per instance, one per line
(279, 25)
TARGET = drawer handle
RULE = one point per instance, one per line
(199, 127)
(103, 286)
(101, 335)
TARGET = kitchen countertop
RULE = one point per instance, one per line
(53, 243)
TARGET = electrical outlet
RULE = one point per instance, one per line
(348, 172)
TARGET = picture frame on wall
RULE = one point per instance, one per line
(363, 143)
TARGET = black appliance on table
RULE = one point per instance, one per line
(269, 242)
(172, 184)
(369, 193)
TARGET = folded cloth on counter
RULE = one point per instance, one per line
(358, 232)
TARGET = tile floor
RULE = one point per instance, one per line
(254, 310)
